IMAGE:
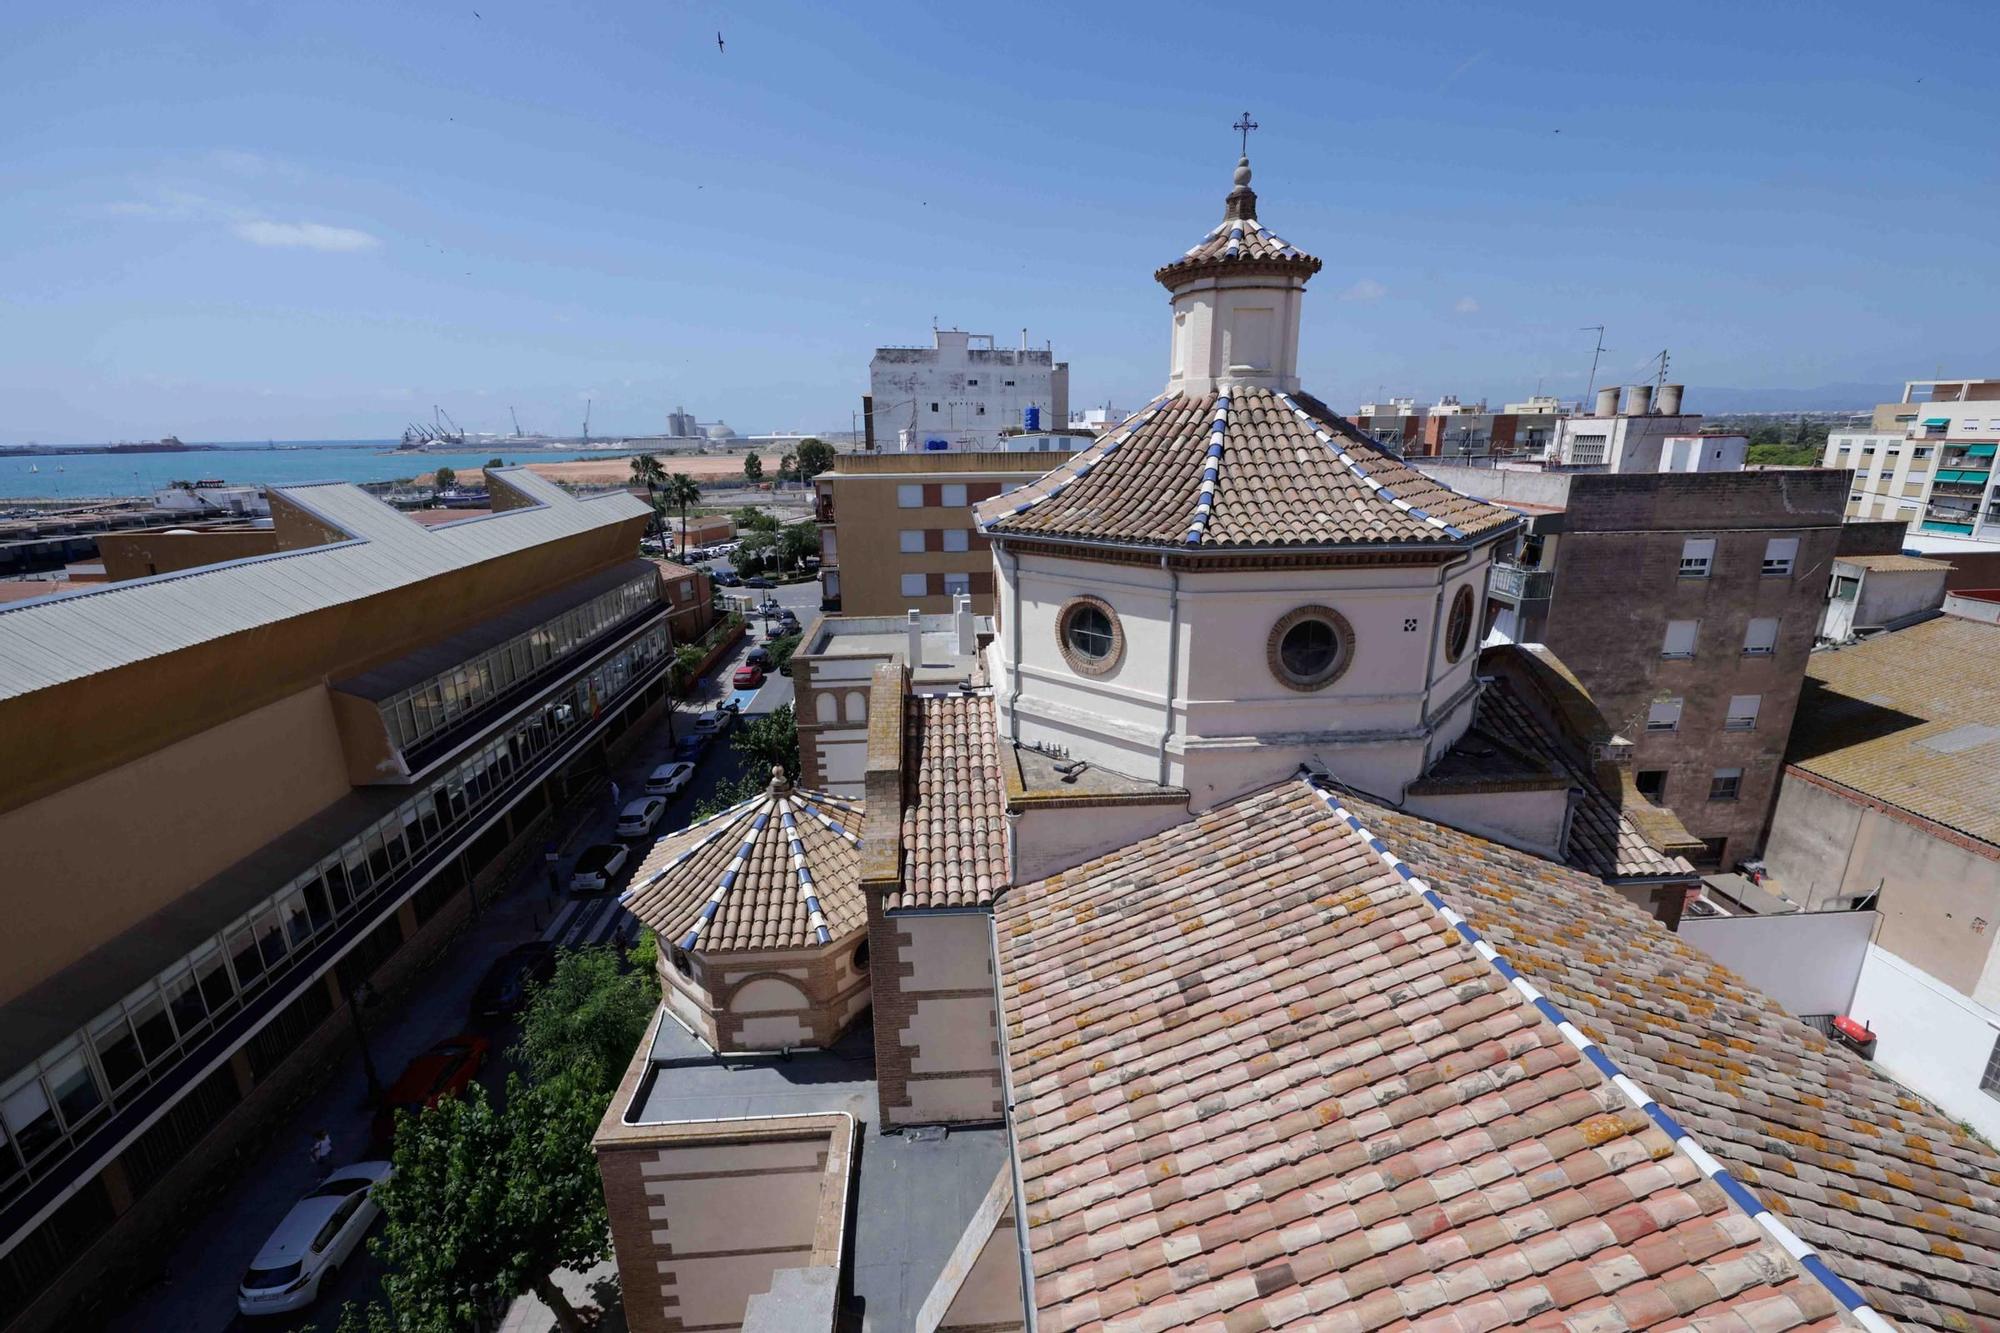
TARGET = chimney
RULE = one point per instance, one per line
(916, 644)
(1670, 399)
(968, 641)
(1639, 400)
(1607, 402)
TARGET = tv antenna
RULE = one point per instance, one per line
(1660, 376)
(1597, 353)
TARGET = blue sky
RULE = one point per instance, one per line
(314, 221)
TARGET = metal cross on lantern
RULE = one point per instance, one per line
(1245, 125)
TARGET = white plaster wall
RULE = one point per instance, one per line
(942, 375)
(1236, 330)
(1234, 726)
(1053, 840)
(1809, 962)
(1530, 820)
(1930, 1037)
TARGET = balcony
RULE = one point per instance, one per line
(1518, 583)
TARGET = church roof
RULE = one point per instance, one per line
(1243, 468)
(1269, 1074)
(1238, 242)
(778, 871)
(954, 804)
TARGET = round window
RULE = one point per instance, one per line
(859, 961)
(1458, 629)
(1090, 636)
(1310, 647)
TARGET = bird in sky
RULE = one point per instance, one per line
(718, 43)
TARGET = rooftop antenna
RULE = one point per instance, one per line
(1593, 359)
(1660, 376)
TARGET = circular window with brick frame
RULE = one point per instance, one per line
(1310, 647)
(1458, 626)
(1090, 636)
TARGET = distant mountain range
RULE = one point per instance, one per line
(1827, 397)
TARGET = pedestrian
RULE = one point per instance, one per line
(322, 1153)
(614, 794)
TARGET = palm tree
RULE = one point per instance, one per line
(646, 471)
(683, 490)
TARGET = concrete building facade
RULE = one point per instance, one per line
(896, 530)
(962, 391)
(1927, 459)
(281, 777)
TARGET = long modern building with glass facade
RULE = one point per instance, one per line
(231, 795)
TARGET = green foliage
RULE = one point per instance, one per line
(782, 649)
(583, 1023)
(1784, 455)
(444, 479)
(687, 657)
(1801, 435)
(756, 552)
(682, 490)
(644, 956)
(797, 541)
(812, 457)
(751, 518)
(733, 792)
(771, 741)
(496, 462)
(753, 467)
(788, 467)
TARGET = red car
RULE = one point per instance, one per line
(441, 1072)
(749, 676)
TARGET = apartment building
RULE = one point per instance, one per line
(1686, 604)
(961, 392)
(1454, 430)
(1927, 460)
(896, 530)
(234, 795)
(1628, 431)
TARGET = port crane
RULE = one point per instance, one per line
(440, 430)
(517, 423)
(586, 421)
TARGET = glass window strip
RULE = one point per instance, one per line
(253, 951)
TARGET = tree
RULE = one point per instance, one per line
(813, 456)
(496, 462)
(750, 518)
(771, 741)
(586, 1019)
(753, 467)
(683, 490)
(487, 1203)
(781, 650)
(444, 479)
(755, 550)
(788, 467)
(647, 472)
(687, 657)
(796, 542)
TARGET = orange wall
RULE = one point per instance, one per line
(136, 555)
(103, 854)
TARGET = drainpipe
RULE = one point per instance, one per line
(1173, 657)
(1014, 620)
(1013, 845)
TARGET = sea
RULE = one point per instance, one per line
(25, 475)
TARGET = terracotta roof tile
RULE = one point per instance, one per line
(954, 804)
(763, 893)
(1911, 718)
(1276, 483)
(1602, 841)
(1260, 1084)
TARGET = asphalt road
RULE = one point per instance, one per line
(197, 1290)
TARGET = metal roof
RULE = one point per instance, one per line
(48, 641)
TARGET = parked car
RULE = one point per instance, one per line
(636, 820)
(438, 1074)
(692, 747)
(668, 779)
(503, 991)
(759, 582)
(315, 1238)
(716, 723)
(759, 656)
(748, 677)
(728, 578)
(598, 866)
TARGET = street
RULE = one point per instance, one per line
(197, 1293)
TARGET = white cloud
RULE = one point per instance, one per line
(304, 236)
(1466, 306)
(1365, 290)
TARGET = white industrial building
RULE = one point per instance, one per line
(962, 392)
(1635, 439)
